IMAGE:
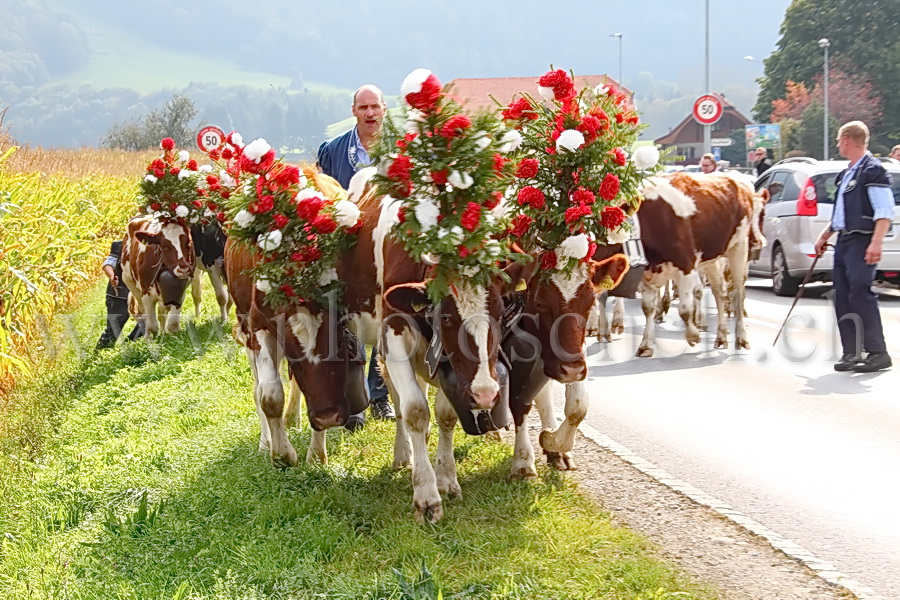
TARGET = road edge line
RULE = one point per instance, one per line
(823, 569)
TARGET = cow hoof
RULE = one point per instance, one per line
(284, 462)
(561, 461)
(450, 488)
(644, 352)
(618, 328)
(431, 512)
(523, 473)
(400, 463)
(742, 345)
(720, 343)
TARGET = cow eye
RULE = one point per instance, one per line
(446, 320)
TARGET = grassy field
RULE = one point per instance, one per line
(134, 473)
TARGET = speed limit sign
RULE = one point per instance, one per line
(209, 138)
(707, 109)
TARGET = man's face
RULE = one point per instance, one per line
(707, 166)
(896, 154)
(760, 154)
(369, 111)
(843, 144)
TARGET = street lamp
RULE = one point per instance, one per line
(824, 44)
(619, 35)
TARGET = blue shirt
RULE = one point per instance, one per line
(881, 197)
(343, 156)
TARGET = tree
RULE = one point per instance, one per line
(172, 120)
(863, 41)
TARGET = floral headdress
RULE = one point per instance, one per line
(573, 175)
(447, 174)
(173, 188)
(281, 213)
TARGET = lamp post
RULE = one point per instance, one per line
(824, 44)
(619, 35)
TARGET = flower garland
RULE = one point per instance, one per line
(447, 174)
(573, 174)
(280, 213)
(173, 188)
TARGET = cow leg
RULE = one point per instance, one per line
(544, 403)
(595, 321)
(151, 316)
(558, 444)
(618, 317)
(292, 409)
(523, 454)
(714, 274)
(217, 278)
(270, 393)
(402, 445)
(416, 417)
(173, 321)
(737, 260)
(665, 302)
(264, 437)
(649, 304)
(196, 292)
(444, 462)
(687, 301)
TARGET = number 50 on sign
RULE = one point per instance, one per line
(707, 109)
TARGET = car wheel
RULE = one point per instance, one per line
(782, 283)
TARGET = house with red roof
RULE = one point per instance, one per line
(476, 94)
(687, 136)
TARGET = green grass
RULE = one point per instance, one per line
(139, 477)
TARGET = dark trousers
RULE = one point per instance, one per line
(855, 304)
(377, 388)
(116, 317)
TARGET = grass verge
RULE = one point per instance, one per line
(136, 475)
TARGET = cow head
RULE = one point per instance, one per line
(174, 245)
(557, 308)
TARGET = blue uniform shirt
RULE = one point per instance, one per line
(881, 197)
(343, 156)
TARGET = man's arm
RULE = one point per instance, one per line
(882, 199)
(823, 240)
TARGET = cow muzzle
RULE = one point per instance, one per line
(182, 272)
(572, 372)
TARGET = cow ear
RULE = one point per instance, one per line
(608, 273)
(147, 238)
(409, 298)
(519, 273)
(764, 194)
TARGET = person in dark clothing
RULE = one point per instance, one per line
(863, 211)
(341, 158)
(116, 301)
(763, 163)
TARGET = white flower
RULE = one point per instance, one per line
(645, 157)
(457, 234)
(244, 218)
(184, 174)
(264, 285)
(205, 168)
(237, 139)
(270, 240)
(301, 183)
(256, 149)
(309, 193)
(483, 142)
(226, 179)
(570, 140)
(574, 246)
(181, 210)
(184, 156)
(426, 214)
(150, 178)
(601, 90)
(460, 180)
(618, 236)
(413, 82)
(546, 92)
(493, 248)
(327, 276)
(413, 119)
(346, 214)
(510, 141)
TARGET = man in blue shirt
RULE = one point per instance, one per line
(341, 158)
(863, 212)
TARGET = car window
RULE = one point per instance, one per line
(792, 185)
(895, 184)
(762, 181)
(776, 186)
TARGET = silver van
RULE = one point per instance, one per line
(802, 194)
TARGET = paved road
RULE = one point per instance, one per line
(810, 453)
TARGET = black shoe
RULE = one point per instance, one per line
(847, 362)
(382, 410)
(356, 421)
(875, 361)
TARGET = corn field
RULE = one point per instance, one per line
(59, 210)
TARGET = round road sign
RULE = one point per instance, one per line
(209, 138)
(707, 109)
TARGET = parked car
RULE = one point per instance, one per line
(802, 197)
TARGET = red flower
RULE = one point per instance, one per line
(283, 176)
(403, 189)
(426, 98)
(560, 82)
(265, 163)
(174, 171)
(288, 290)
(325, 224)
(312, 254)
(298, 257)
(548, 260)
(263, 205)
(610, 187)
(619, 155)
(519, 109)
(400, 168)
(590, 126)
(202, 193)
(227, 154)
(499, 164)
(215, 154)
(528, 168)
(455, 126)
(159, 173)
(167, 144)
(464, 252)
(531, 195)
(612, 217)
(583, 196)
(212, 179)
(197, 203)
(520, 225)
(308, 208)
(592, 248)
(225, 194)
(220, 217)
(409, 137)
(155, 206)
(192, 165)
(280, 220)
(439, 177)
(401, 214)
(494, 200)
(471, 216)
(573, 213)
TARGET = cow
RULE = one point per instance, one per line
(209, 244)
(157, 265)
(690, 225)
(389, 304)
(546, 345)
(324, 359)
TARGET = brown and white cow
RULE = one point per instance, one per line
(690, 224)
(546, 345)
(157, 265)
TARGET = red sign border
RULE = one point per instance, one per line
(718, 114)
(207, 129)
